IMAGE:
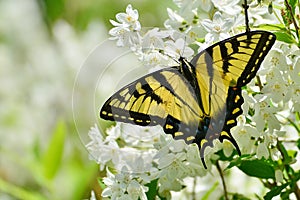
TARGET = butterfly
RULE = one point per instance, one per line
(197, 101)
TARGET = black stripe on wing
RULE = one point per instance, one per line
(265, 43)
(133, 103)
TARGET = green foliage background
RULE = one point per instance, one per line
(80, 13)
(55, 165)
(52, 162)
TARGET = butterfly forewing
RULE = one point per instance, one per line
(222, 69)
(161, 98)
(237, 58)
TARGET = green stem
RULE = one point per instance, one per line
(259, 83)
(194, 189)
(296, 188)
(289, 8)
(223, 180)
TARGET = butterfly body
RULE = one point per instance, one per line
(197, 101)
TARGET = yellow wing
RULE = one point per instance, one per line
(221, 71)
(197, 101)
(164, 98)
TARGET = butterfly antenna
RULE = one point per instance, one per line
(245, 5)
(173, 58)
(183, 46)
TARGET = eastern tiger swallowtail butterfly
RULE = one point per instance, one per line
(197, 101)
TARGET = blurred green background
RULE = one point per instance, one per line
(43, 44)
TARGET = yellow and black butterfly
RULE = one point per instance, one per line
(197, 101)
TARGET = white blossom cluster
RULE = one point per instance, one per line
(135, 156)
(278, 101)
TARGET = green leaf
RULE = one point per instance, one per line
(101, 183)
(286, 158)
(293, 4)
(257, 168)
(54, 152)
(239, 197)
(152, 192)
(276, 190)
(286, 194)
(297, 116)
(210, 191)
(80, 178)
(271, 27)
(222, 156)
(19, 192)
(52, 9)
(285, 37)
(238, 160)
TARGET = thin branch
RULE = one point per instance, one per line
(296, 188)
(194, 189)
(259, 83)
(246, 16)
(223, 180)
(287, 141)
(297, 191)
(288, 6)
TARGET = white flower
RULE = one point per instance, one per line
(176, 21)
(275, 154)
(279, 176)
(178, 49)
(194, 161)
(135, 160)
(115, 188)
(93, 197)
(176, 160)
(276, 88)
(188, 16)
(110, 152)
(140, 136)
(218, 28)
(136, 190)
(227, 148)
(123, 186)
(204, 5)
(259, 14)
(95, 145)
(230, 7)
(155, 58)
(249, 101)
(294, 70)
(130, 18)
(153, 39)
(167, 184)
(95, 135)
(265, 113)
(123, 35)
(262, 150)
(275, 59)
(245, 135)
(126, 30)
(183, 3)
(103, 151)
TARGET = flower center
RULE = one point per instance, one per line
(275, 61)
(217, 28)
